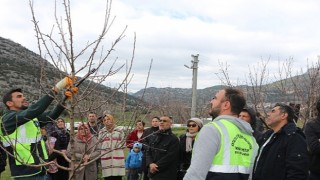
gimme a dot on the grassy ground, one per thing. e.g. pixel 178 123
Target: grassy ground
pixel 177 131
pixel 6 173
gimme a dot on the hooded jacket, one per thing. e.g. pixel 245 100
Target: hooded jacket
pixel 254 123
pixel 134 159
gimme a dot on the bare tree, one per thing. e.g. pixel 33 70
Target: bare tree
pixel 58 46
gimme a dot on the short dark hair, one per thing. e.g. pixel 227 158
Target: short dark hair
pixel 286 109
pixel 170 117
pixel 92 112
pixel 143 123
pixel 236 98
pixel 8 96
pixel 156 117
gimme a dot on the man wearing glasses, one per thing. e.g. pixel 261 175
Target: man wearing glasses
pixel 225 147
pixel 283 149
pixel 163 153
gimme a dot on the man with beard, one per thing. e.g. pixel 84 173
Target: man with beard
pixel 225 147
pixel 20 131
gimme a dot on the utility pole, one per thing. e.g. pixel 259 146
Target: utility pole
pixel 194 68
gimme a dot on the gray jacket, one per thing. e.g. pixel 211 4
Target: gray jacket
pixel 207 146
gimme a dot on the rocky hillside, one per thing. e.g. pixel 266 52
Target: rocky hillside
pixel 278 91
pixel 20 67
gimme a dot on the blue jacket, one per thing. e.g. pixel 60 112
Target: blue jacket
pixel 133 160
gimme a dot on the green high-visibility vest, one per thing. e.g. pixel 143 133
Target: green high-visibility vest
pixel 21 140
pixel 237 149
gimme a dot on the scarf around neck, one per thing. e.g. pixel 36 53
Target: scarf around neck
pixel 189 139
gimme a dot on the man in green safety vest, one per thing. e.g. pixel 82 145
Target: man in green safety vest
pixel 20 131
pixel 224 148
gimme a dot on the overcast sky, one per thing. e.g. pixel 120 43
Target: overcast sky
pixel 238 32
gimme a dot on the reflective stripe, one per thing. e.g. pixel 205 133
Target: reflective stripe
pixel 21 140
pixel 26 149
pixel 20 135
pixel 230 169
pixel 237 149
pixel 22 130
pixel 226 139
pixel 254 150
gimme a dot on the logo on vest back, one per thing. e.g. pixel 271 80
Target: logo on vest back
pixel 239 145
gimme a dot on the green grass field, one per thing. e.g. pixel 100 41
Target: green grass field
pixel 177 131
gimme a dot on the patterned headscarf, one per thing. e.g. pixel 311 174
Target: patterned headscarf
pixel 87 137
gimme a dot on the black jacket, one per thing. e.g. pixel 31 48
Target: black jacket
pixel 312 131
pixel 147 135
pixel 255 123
pixel 164 151
pixel 284 157
pixel 3 159
pixel 63 138
pixel 146 138
pixel 185 157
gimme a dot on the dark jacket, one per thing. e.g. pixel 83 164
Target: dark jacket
pixel 94 130
pixel 63 138
pixel 284 157
pixel 185 157
pixel 164 152
pixel 147 135
pixel 3 159
pixel 146 138
pixel 312 131
pixel 13 119
pixel 254 123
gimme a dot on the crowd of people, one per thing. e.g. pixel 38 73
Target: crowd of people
pixel 232 146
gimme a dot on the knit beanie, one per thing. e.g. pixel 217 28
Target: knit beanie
pixel 138 145
pixel 197 121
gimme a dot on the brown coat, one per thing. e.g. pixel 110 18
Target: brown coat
pixel 81 148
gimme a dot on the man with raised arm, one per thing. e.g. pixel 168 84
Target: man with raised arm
pixel 20 131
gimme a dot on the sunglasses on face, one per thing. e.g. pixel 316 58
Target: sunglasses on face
pixel 191 125
pixel 161 120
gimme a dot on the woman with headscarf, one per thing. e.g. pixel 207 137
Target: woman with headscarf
pixel 86 148
pixel 58 139
pixel 186 144
pixel 112 142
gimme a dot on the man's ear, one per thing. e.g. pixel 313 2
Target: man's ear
pixel 227 105
pixel 285 115
pixel 9 103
